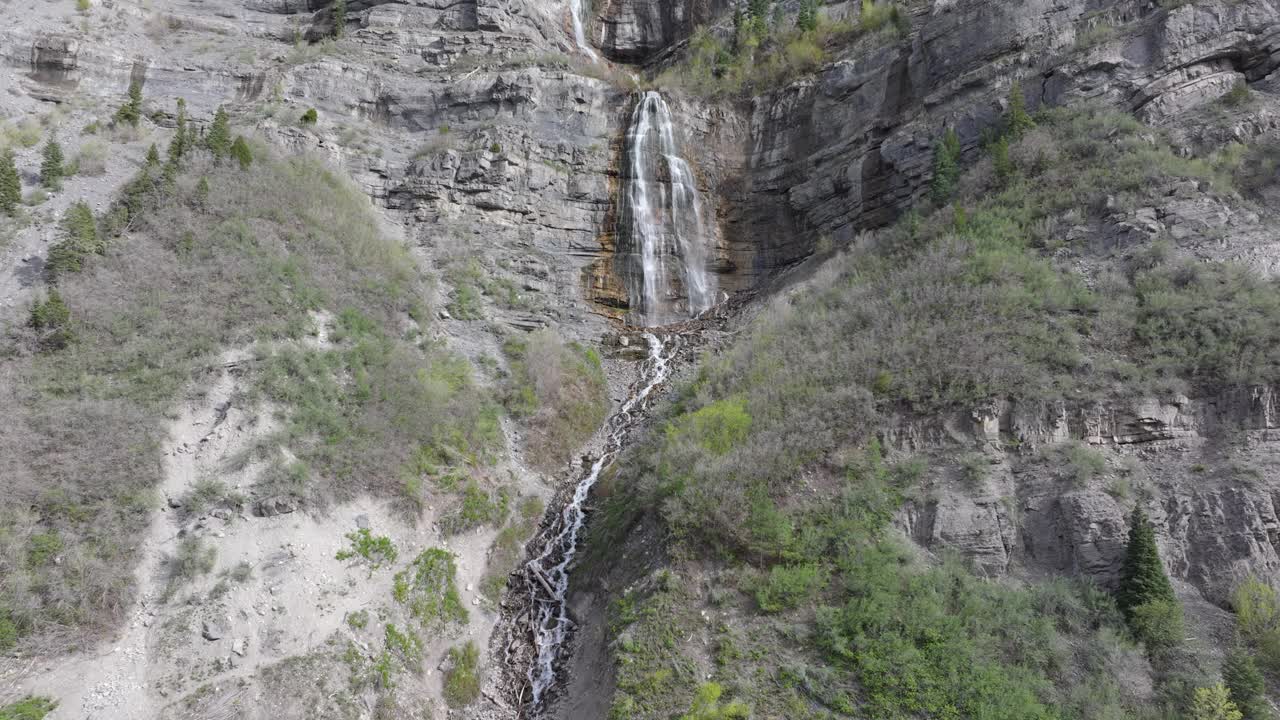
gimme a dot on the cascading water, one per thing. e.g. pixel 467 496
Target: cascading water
pixel 551 568
pixel 662 214
pixel 579 29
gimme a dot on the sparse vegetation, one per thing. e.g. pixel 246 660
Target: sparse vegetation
pixel 28 708
pixel 508 546
pixel 374 550
pixel 462 678
pixel 192 560
pixel 429 589
pixel 559 390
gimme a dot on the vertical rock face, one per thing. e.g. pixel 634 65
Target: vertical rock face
pixel 633 31
pixel 1206 471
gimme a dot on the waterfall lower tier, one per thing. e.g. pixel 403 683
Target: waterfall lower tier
pixel 550 569
pixel 664 233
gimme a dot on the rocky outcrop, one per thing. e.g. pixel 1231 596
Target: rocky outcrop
pixel 633 31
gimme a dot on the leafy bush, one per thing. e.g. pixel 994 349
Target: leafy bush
pixel 707 706
pixel 1247 686
pixel 309 117
pixel 476 508
pixel 1158 624
pixel 1213 703
pixel 91 158
pixel 28 708
pixel 1257 608
pixel 429 588
pixel 376 551
pixel 789 585
pixel 462 678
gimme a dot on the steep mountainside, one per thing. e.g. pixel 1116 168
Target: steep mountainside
pixel 985 278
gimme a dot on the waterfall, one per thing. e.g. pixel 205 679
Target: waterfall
pixel 551 568
pixel 662 214
pixel 579 29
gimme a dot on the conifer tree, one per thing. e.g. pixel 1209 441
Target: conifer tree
pixel 219 138
pixel 807 20
pixel 178 145
pixel 339 18
pixel 1018 121
pixel 1142 578
pixel 153 158
pixel 946 167
pixel 10 184
pixel 51 319
pixel 131 111
pixel 202 193
pixel 241 152
pixel 52 166
pixel 1248 688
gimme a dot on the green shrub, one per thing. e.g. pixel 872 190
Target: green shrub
pixel 1257 608
pixel 1158 624
pixel 191 560
pixel 358 619
pixel 462 678
pixel 1213 703
pixel 789 585
pixel 476 508
pixel 429 588
pixel 310 117
pixel 707 706
pixel 1238 95
pixel 376 551
pixel 28 708
pixel 876 16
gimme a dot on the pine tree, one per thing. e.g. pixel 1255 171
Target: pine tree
pixel 1248 688
pixel 131 111
pixel 52 166
pixel 241 152
pixel 1214 703
pixel 339 18
pixel 178 145
pixel 51 319
pixel 1142 578
pixel 153 158
pixel 1018 121
pixel 807 20
pixel 10 184
pixel 946 167
pixel 219 138
pixel 202 193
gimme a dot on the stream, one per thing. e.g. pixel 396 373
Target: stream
pixel 550 569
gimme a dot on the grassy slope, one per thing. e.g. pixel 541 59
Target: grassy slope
pixel 243 267
pixel 759 476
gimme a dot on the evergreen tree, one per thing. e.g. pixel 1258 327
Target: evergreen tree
pixel 52 166
pixel 1018 121
pixel 1214 703
pixel 1248 688
pixel 946 167
pixel 51 319
pixel 153 158
pixel 339 18
pixel 807 20
pixel 202 193
pixel 131 111
pixel 10 184
pixel 178 145
pixel 1142 578
pixel 241 152
pixel 219 138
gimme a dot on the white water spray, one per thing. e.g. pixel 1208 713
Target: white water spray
pixel 665 220
pixel 579 29
pixel 551 568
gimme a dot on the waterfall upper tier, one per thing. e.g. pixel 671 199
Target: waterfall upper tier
pixel 665 238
